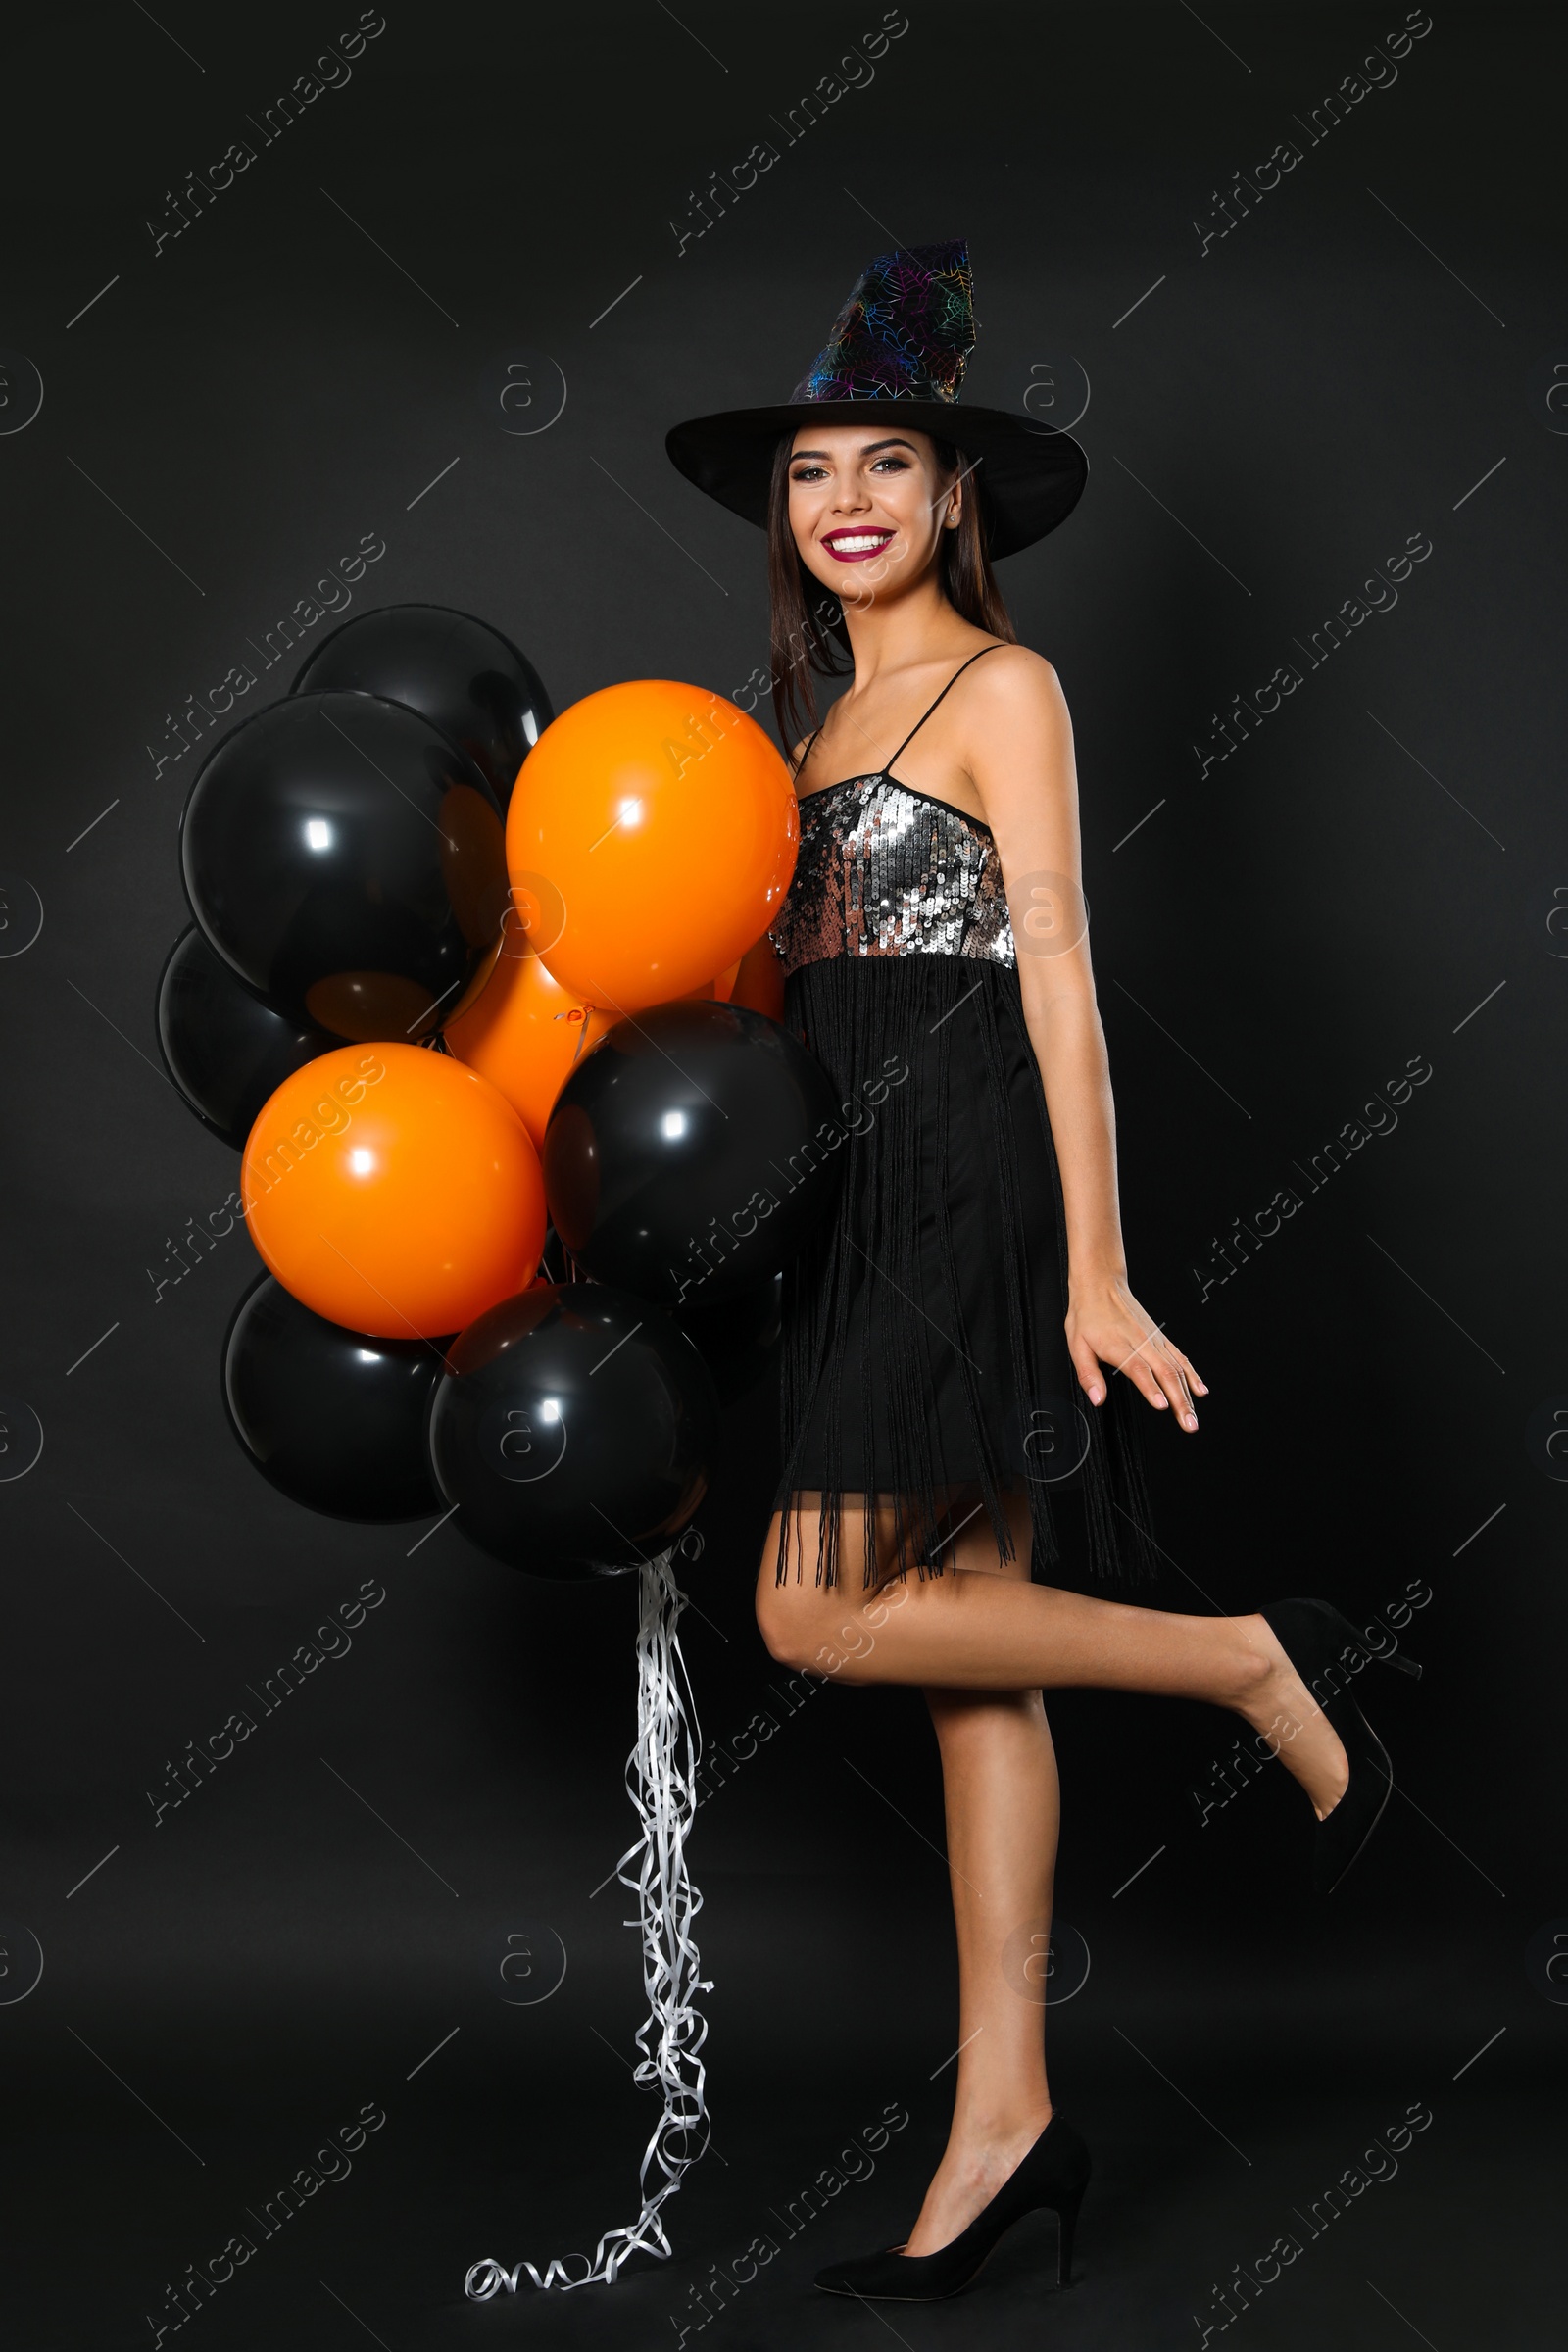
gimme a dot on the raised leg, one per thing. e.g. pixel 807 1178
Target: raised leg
pixel 986 1632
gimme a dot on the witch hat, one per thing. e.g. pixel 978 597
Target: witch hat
pixel 903 339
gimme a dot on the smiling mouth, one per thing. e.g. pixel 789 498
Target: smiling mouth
pixel 854 547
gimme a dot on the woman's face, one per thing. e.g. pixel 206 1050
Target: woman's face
pixel 869 506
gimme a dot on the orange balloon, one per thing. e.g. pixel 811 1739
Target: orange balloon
pixel 526 1033
pixel 714 992
pixel 651 837
pixel 759 982
pixel 392 1190
pixel 724 985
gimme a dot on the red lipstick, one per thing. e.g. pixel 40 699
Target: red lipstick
pixel 857 545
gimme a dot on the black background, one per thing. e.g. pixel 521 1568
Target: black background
pixel 1284 935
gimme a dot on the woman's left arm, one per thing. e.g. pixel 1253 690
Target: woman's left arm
pixel 1021 762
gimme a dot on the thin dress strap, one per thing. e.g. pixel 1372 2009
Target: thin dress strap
pixel 940 697
pixel 810 745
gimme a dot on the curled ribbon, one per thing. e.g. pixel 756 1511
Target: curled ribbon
pixel 661 1783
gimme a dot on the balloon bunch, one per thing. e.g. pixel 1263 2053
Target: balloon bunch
pixel 524 1152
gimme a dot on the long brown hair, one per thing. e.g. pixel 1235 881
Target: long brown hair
pixel 809 640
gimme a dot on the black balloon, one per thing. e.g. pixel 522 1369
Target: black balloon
pixel 465 676
pixel 737 1338
pixel 349 864
pixel 692 1152
pixel 333 1418
pixel 573 1430
pixel 225 1049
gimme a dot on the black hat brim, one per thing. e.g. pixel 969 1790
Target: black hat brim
pixel 1030 476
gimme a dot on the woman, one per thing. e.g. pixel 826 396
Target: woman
pixel 936 955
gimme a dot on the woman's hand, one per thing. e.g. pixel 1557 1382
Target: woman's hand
pixel 1106 1325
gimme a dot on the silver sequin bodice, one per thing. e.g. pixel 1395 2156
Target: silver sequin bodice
pixel 883 870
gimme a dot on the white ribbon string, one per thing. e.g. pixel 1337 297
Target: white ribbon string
pixel 661 1783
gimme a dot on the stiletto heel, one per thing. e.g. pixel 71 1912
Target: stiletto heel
pixel 1067 2217
pixel 1054 2174
pixel 1326 1651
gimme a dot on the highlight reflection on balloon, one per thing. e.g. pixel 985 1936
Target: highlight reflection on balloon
pixel 394 1190
pixel 347 862
pixel 665 822
pixel 684 1157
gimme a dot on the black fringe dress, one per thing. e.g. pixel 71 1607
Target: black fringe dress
pixel 924 1359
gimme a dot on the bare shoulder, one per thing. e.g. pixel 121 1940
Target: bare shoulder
pixel 1016 680
pixel 1015 711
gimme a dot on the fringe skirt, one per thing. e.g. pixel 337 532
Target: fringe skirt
pixel 923 1354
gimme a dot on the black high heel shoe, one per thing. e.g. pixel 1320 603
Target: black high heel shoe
pixel 1327 1652
pixel 1054 2174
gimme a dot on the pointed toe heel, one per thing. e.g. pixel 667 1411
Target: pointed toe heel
pixel 1327 1652
pixel 1053 2175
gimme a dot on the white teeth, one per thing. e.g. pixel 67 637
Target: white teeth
pixel 859 545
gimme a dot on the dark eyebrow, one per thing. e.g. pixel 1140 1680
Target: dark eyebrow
pixel 869 449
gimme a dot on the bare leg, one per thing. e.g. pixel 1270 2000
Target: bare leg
pixel 998 1777
pixel 991 1632
pixel 984 1642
